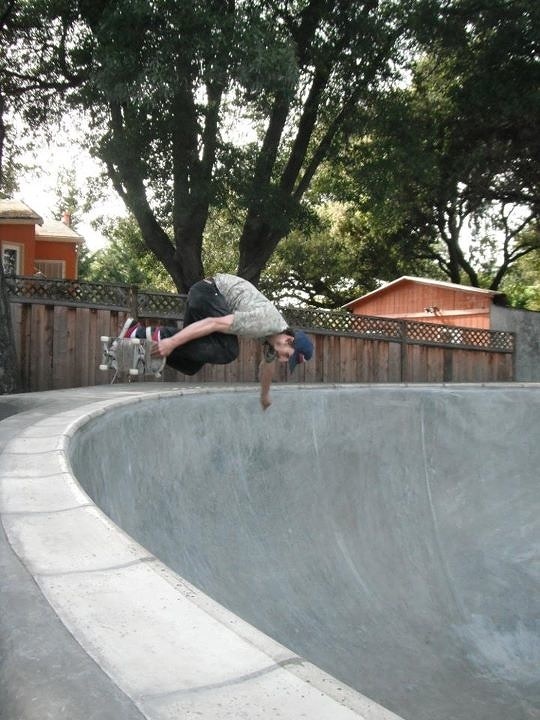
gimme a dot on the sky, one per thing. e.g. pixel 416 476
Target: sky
pixel 37 186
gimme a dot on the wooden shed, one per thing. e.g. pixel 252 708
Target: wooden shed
pixel 432 301
pixel 29 245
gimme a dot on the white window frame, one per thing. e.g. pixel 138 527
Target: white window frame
pixel 50 268
pixel 19 250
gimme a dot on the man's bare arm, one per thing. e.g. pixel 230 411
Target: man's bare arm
pixel 198 329
pixel 266 373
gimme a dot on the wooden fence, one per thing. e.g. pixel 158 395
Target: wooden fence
pixel 57 327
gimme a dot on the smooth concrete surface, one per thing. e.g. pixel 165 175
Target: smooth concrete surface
pixel 92 625
pixel 381 538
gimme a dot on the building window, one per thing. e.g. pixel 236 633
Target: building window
pixel 52 269
pixel 12 259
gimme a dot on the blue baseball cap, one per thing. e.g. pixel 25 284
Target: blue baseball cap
pixel 303 349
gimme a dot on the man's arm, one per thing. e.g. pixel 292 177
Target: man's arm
pixel 198 329
pixel 266 373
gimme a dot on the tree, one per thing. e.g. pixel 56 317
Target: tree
pixel 448 165
pixel 316 266
pixel 161 80
pixel 335 258
pixel 70 199
pixel 9 164
pixel 521 284
pixel 9 381
pixel 34 101
pixel 220 241
pixel 7 180
pixel 125 259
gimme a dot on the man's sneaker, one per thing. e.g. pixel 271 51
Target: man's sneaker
pixel 132 328
pixel 153 363
pixel 128 328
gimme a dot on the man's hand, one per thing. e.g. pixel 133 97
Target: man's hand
pixel 266 371
pixel 164 347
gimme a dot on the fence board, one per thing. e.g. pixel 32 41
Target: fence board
pixel 381 368
pixel 41 363
pixel 416 363
pixel 17 324
pixel 24 345
pixel 83 344
pixel 64 370
pixel 434 364
pixel 347 353
pixel 394 362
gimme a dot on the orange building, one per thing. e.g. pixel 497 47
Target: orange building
pixel 424 300
pixel 30 246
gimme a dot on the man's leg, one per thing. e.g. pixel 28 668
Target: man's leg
pixel 204 300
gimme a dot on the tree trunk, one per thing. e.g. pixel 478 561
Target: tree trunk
pixel 2 140
pixel 187 261
pixel 450 224
pixel 257 244
pixel 9 371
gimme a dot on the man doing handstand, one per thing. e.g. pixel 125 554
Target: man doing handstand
pixel 218 310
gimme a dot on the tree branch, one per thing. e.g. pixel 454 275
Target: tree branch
pixel 128 182
pixel 305 131
pixel 6 12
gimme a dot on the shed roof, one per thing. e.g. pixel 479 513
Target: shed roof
pixel 15 211
pixel 422 281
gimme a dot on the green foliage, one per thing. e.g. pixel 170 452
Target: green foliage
pixel 317 266
pixel 335 260
pixel 9 166
pixel 68 196
pixel 69 200
pixel 125 259
pixel 444 163
pixel 14 142
pixel 220 243
pixel 521 285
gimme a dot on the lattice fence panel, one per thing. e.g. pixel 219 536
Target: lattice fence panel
pixel 70 292
pixel 342 322
pixel 160 305
pixel 460 336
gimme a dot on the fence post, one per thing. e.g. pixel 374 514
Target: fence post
pixel 404 369
pixel 132 301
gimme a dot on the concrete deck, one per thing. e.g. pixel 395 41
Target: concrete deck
pixel 354 552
